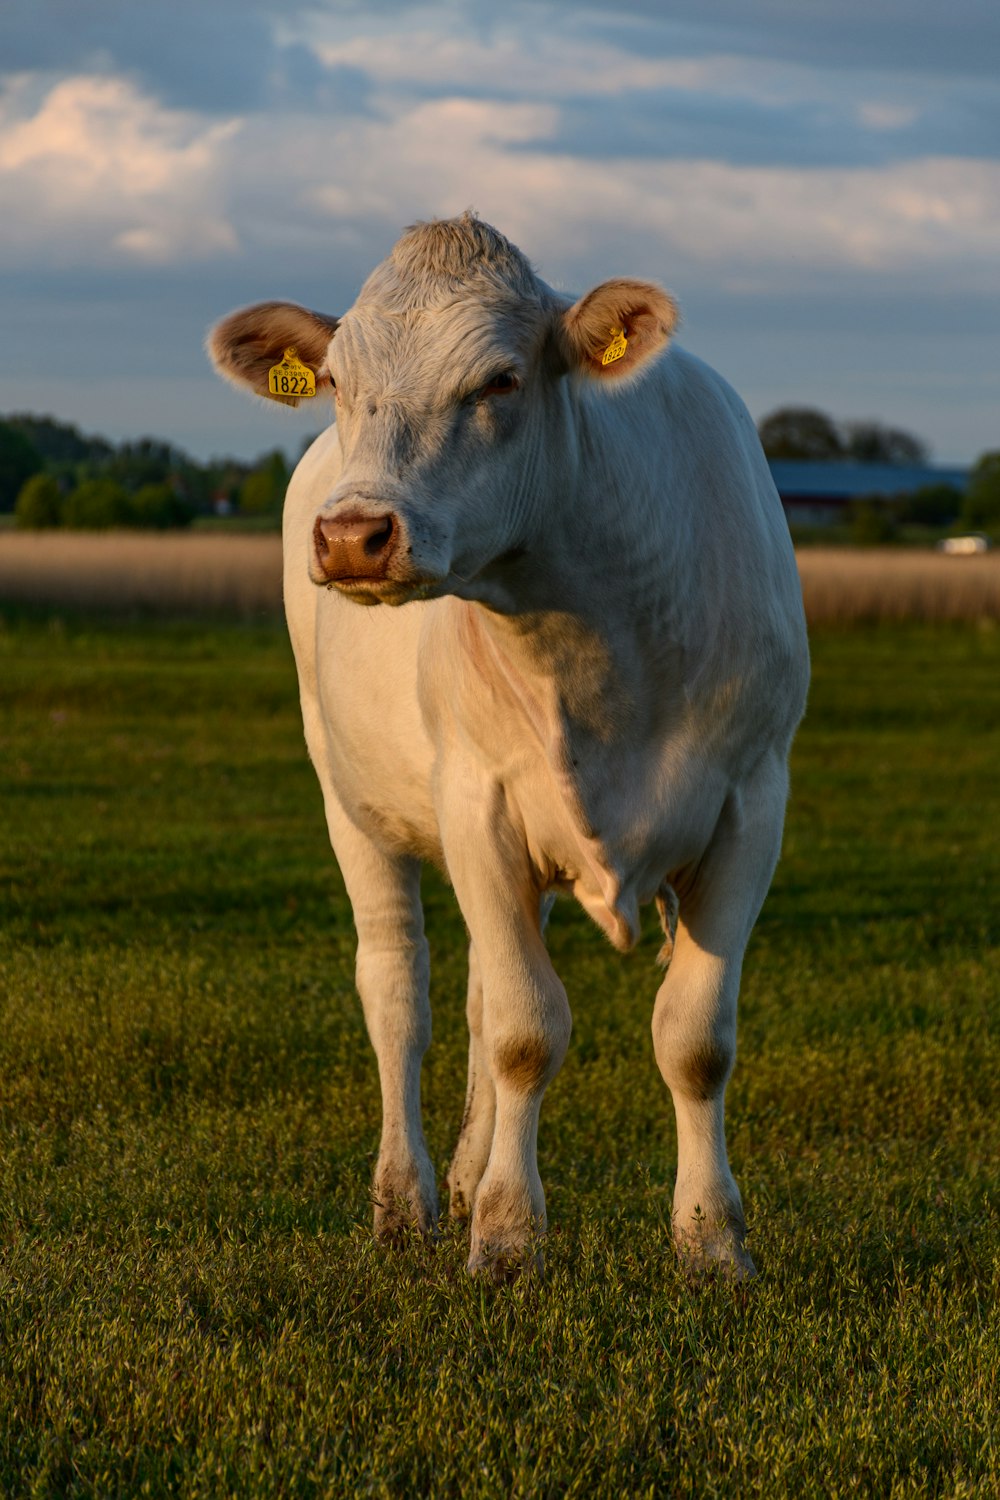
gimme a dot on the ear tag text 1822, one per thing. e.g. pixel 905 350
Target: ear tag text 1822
pixel 291 377
pixel 617 347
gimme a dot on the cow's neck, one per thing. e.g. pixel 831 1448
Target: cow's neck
pixel 581 673
pixel 589 611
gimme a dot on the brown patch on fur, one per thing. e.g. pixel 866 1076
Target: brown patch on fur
pixel 490 1208
pixel 459 1207
pixel 400 835
pixel 644 310
pixel 523 1064
pixel 705 1070
pixel 244 345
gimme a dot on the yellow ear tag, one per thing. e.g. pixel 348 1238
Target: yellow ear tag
pixel 617 347
pixel 291 377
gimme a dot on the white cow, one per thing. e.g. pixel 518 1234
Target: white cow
pixel 592 687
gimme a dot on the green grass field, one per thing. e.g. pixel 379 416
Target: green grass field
pixel 190 1301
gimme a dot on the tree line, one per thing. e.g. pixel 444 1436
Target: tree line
pixel 805 433
pixel 53 475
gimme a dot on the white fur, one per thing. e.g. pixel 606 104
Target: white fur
pixel 591 686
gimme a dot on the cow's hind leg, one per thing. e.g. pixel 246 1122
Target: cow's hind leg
pixel 694 1020
pixel 392 977
pixel 476 1135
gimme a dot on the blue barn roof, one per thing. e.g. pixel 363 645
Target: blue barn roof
pixel 812 480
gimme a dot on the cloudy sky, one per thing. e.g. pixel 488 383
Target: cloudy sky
pixel 817 181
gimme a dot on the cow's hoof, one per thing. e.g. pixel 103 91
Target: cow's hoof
pixel 701 1266
pixel 718 1254
pixel 402 1214
pixel 507 1232
pixel 396 1230
pixel 502 1267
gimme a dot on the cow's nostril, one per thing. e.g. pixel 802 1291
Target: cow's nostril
pixel 350 545
pixel 378 540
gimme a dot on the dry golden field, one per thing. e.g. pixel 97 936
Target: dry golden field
pixel 847 584
pixel 215 574
pixel 187 573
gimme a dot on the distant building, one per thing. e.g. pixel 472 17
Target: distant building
pixel 818 493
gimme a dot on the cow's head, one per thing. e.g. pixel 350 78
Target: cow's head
pixel 449 377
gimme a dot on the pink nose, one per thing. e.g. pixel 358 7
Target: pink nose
pixel 354 546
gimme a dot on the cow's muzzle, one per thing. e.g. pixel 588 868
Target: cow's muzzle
pixel 353 547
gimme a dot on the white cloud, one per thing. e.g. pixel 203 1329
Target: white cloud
pixel 534 63
pixel 94 169
pixel 550 65
pixel 928 213
pixel 880 115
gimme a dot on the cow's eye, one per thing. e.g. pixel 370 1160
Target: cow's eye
pixel 502 383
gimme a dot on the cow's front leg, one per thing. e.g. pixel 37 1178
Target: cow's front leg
pixel 694 1020
pixel 526 1030
pixel 524 1033
pixel 475 1138
pixel 392 975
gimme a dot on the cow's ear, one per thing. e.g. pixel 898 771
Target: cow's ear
pixel 245 345
pixel 614 330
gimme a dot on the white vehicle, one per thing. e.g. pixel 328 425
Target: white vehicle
pixel 964 546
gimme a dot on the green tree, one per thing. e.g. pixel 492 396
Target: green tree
pixel 873 443
pixel 145 461
pixel 19 459
pixel 872 523
pixel 98 505
pixel 930 505
pixel 981 507
pixel 60 443
pixel 263 490
pixel 159 507
pixel 800 432
pixel 40 503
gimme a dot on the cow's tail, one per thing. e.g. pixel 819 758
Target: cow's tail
pixel 667 908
